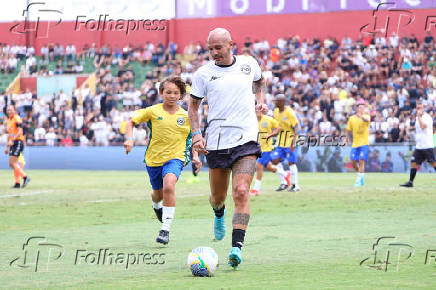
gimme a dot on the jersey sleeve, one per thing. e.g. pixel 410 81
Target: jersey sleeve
pixel 198 88
pixel 141 116
pixel 256 69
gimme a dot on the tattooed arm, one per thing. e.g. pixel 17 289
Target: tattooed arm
pixel 259 89
pixel 198 142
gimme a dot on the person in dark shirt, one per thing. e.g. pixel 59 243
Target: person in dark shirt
pixel 387 165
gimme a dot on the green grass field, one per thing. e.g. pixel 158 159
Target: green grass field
pixel 314 239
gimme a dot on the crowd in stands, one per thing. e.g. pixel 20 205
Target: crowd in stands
pixel 322 80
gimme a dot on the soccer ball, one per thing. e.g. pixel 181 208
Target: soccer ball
pixel 203 262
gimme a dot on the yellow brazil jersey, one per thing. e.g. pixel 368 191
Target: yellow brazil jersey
pixel 169 137
pixel 287 122
pixel 360 130
pixel 266 126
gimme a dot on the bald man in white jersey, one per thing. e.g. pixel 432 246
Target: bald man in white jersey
pixel 424 143
pixel 230 143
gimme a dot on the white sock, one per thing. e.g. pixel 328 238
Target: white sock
pixel 281 172
pixel 156 205
pixel 257 184
pixel 361 175
pixel 294 174
pixel 167 217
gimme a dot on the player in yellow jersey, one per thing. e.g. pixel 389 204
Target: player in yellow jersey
pixel 358 126
pixel 286 150
pixel 168 150
pixel 268 128
pixel 15 145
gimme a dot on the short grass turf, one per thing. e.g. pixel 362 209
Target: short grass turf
pixel 313 239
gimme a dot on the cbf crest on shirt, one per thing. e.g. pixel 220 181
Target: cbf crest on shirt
pixel 229 91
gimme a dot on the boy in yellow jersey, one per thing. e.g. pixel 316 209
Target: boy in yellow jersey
pixel 15 145
pixel 286 143
pixel 358 126
pixel 268 128
pixel 168 149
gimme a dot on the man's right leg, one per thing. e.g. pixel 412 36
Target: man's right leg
pixel 219 183
pixel 413 169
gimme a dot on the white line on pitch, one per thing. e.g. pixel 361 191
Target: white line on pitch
pixel 25 194
pixel 119 199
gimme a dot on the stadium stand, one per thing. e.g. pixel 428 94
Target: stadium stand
pixel 322 80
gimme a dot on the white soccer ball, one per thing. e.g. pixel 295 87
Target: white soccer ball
pixel 203 262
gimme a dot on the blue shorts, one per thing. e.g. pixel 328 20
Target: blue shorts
pixel 359 153
pixel 157 173
pixel 265 158
pixel 284 154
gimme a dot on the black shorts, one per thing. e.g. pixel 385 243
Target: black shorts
pixel 17 148
pixel 421 155
pixel 225 158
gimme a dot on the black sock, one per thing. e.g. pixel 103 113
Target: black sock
pixel 412 174
pixel 238 236
pixel 219 212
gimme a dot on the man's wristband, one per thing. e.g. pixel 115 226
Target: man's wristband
pixel 196 132
pixel 129 138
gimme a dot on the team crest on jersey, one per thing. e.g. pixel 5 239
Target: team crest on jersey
pixel 246 69
pixel 264 124
pixel 181 121
pixel 284 118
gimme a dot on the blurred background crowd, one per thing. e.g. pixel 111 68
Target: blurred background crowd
pixel 322 80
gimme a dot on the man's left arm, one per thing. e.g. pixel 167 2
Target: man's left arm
pixel 259 89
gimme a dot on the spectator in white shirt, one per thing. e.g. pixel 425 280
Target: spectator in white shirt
pixel 50 137
pixel 70 53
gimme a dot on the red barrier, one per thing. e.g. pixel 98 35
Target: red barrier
pixel 28 83
pixel 270 27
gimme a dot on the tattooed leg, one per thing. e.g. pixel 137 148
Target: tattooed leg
pixel 240 219
pixel 242 175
